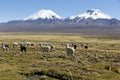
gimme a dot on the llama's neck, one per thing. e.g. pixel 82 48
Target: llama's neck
pixel 3 46
pixel 41 45
pixel 67 46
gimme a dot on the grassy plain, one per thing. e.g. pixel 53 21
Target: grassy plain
pixel 101 61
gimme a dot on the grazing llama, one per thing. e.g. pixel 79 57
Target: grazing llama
pixel 23 48
pixel 70 51
pixel 45 48
pixel 5 47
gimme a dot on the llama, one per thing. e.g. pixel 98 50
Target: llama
pixel 15 44
pixel 5 47
pixel 70 51
pixel 45 48
pixel 23 48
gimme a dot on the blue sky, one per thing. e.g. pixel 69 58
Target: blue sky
pixel 19 9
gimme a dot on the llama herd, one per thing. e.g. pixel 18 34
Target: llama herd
pixel 45 48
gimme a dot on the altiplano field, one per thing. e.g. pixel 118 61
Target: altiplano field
pixel 101 61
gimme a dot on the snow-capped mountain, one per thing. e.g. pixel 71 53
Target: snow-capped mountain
pixel 93 17
pixel 45 20
pixel 92 13
pixel 43 14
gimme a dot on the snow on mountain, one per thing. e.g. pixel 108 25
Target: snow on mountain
pixel 43 14
pixel 93 13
